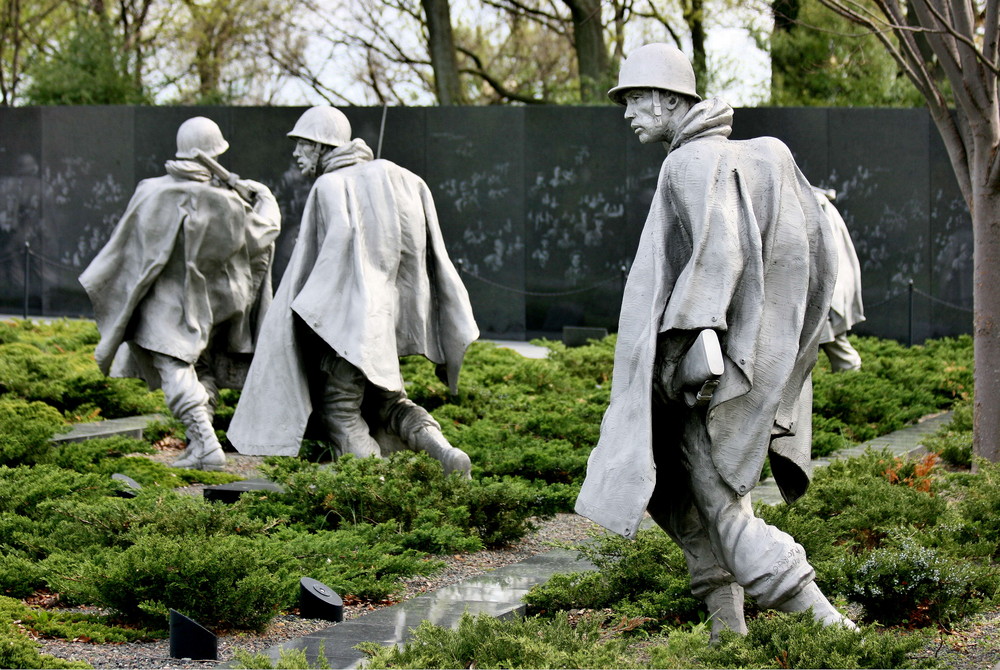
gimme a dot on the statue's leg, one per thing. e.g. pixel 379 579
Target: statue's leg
pixel 189 401
pixel 420 432
pixel 672 508
pixel 841 354
pixel 203 368
pixel 343 393
pixel 766 561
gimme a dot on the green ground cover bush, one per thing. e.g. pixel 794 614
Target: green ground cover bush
pixel 53 363
pixel 774 641
pixel 894 536
pixel 363 526
pixel 895 386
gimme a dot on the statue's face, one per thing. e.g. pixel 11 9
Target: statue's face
pixel 306 156
pixel 650 127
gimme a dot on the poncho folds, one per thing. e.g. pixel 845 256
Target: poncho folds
pixel 371 278
pixel 846 308
pixel 188 264
pixel 734 241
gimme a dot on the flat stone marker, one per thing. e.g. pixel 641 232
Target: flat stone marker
pixel 230 493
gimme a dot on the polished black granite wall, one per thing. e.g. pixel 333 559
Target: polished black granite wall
pixel 542 207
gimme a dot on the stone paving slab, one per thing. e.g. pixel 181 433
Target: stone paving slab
pixel 131 426
pixel 497 593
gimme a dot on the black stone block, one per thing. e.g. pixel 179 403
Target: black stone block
pixel 230 493
pixel 189 639
pixel 319 601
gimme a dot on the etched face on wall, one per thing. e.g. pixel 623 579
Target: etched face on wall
pixel 650 124
pixel 306 156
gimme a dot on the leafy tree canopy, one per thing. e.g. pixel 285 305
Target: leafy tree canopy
pixel 821 59
pixel 90 68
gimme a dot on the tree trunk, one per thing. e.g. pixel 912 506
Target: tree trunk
pixel 441 44
pixel 986 341
pixel 591 52
pixel 694 16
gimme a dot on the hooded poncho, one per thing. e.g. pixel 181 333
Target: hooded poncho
pixel 734 242
pixel 371 278
pixel 187 260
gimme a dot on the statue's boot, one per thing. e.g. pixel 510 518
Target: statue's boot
pixel 205 451
pixel 429 440
pixel 725 606
pixel 811 597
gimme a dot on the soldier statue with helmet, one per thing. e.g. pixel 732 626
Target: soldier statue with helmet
pixel 181 285
pixel 369 281
pixel 719 332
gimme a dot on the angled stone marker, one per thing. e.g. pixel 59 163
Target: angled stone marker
pixel 719 332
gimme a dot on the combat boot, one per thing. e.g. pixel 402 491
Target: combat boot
pixel 725 606
pixel 429 440
pixel 810 597
pixel 204 451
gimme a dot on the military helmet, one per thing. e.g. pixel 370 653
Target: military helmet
pixel 324 125
pixel 658 65
pixel 200 133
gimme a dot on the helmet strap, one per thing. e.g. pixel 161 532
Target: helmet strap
pixel 656 103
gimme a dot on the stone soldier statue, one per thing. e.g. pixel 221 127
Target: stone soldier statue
pixel 847 308
pixel 719 332
pixel 178 289
pixel 369 281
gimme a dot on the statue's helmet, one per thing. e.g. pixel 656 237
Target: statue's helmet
pixel 323 124
pixel 658 65
pixel 200 133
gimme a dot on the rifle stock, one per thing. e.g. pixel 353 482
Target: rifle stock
pixel 230 179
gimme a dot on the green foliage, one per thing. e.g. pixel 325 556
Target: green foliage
pixel 798 641
pixel 93 455
pixel 536 419
pixel 23 490
pixel 56 336
pixel 823 60
pixel 366 562
pixel 485 642
pixel 91 68
pixel 953 442
pixel 879 532
pixel 402 489
pixel 54 364
pixel 910 584
pixel 25 431
pixel 223 581
pixel 72 625
pixel 978 501
pixel 288 659
pixel 18 651
pixel 896 386
pixel 645 577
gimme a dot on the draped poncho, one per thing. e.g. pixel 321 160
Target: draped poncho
pixel 370 278
pixel 734 241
